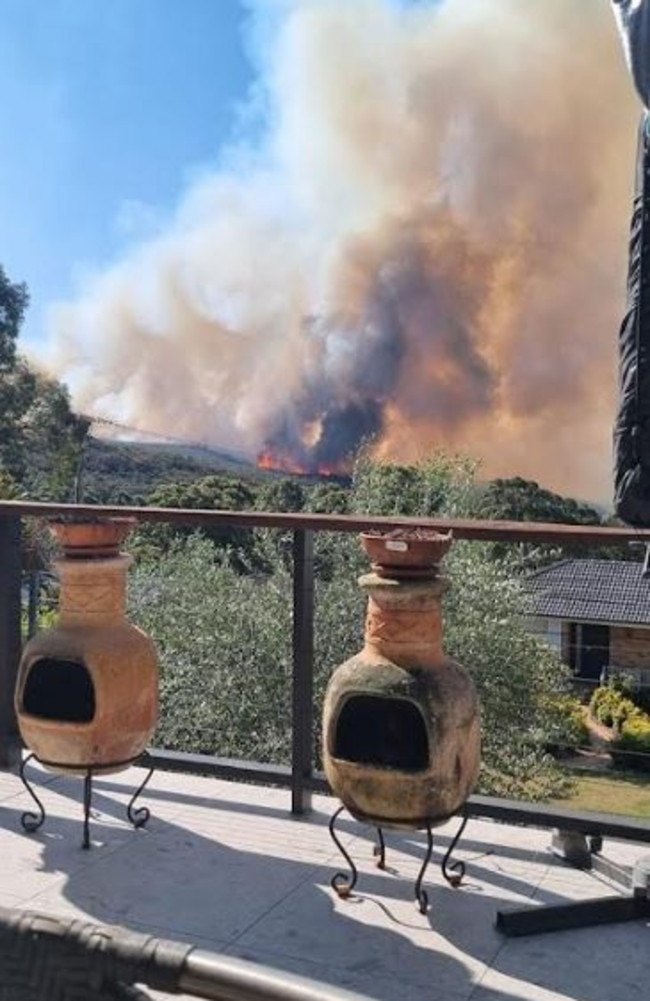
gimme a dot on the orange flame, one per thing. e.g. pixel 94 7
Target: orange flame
pixel 278 462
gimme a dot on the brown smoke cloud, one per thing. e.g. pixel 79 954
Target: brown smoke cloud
pixel 430 248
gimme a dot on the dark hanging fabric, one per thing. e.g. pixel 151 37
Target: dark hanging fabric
pixel 632 427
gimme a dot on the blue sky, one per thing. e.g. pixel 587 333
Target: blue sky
pixel 105 108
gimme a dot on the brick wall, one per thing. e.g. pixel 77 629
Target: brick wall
pixel 629 647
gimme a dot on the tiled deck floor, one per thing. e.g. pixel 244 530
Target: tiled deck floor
pixel 226 867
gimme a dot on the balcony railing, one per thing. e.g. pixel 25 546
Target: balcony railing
pixel 300 776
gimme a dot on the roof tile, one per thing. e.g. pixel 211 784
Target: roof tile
pixel 611 591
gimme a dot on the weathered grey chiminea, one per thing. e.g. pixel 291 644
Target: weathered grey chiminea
pixel 87 690
pixel 401 731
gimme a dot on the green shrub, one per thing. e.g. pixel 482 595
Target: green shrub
pixel 612 707
pixel 624 712
pixel 634 741
pixel 641 698
pixel 571 730
pixel 635 734
pixel 619 679
pixel 603 703
pixel 626 683
pixel 224 642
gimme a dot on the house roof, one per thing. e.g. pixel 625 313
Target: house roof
pixel 607 591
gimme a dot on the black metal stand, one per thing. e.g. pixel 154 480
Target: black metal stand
pixel 88 797
pixel 453 872
pixel 379 850
pixel 342 884
pixel 583 914
pixel 586 913
pixel 421 896
pixel 31 821
pixel 140 816
pixel 458 869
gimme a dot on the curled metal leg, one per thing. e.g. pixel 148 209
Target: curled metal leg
pixel 88 794
pixel 421 896
pixel 140 816
pixel 455 872
pixel 30 821
pixel 342 884
pixel 379 850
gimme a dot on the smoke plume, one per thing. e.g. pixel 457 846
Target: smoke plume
pixel 427 247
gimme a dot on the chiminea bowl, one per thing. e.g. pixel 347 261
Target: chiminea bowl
pixel 405 552
pixel 91 538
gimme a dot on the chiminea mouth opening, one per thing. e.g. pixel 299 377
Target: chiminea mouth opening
pixel 59 690
pixel 381 731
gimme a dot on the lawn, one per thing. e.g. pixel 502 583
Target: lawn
pixel 611 792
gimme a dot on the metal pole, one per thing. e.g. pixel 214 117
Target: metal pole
pixel 33 592
pixel 10 637
pixel 227 978
pixel 302 758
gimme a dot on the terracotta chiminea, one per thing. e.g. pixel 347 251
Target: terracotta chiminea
pixel 401 732
pixel 87 689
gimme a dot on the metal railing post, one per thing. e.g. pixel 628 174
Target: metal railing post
pixel 302 757
pixel 33 591
pixel 10 637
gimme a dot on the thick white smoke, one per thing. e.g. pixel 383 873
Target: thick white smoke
pixel 429 247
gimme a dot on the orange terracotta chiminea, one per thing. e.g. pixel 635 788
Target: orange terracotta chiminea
pixel 87 690
pixel 401 731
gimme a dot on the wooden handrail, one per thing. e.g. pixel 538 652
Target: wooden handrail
pixel 463 528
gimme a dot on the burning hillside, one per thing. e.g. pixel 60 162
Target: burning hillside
pixel 428 250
